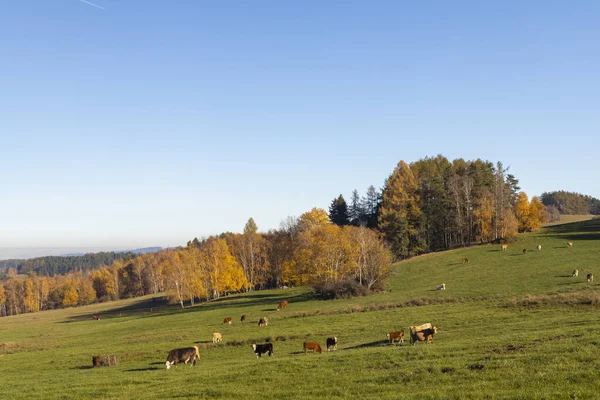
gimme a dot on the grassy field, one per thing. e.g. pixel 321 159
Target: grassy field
pixel 565 219
pixel 513 326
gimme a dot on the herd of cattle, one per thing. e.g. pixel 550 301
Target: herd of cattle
pixel 422 333
pixel 187 355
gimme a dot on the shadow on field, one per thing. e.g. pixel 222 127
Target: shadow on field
pixel 562 276
pixel 157 363
pixel 269 309
pixel 83 367
pixel 143 369
pixel 364 345
pixel 157 306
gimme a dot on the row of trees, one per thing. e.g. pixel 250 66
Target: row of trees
pixel 308 250
pixel 571 203
pixel 434 204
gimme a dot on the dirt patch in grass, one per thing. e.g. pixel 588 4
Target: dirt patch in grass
pixel 11 348
pixel 507 348
pixel 475 367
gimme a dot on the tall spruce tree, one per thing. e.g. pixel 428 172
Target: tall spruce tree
pixel 356 213
pixel 338 211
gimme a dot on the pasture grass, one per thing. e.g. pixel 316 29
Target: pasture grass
pixel 512 326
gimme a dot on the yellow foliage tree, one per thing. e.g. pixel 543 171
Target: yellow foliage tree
pixel 313 218
pixel 70 297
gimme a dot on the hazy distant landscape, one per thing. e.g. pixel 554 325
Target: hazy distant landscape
pixel 20 253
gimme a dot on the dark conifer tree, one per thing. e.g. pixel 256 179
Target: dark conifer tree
pixel 338 211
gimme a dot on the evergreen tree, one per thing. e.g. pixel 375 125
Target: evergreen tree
pixel 356 213
pixel 338 211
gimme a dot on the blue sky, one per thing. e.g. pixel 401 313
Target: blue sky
pixel 152 122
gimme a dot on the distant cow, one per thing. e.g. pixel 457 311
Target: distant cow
pixel 104 361
pixel 217 337
pixel 96 317
pixel 283 304
pixel 575 272
pixel 465 260
pixel 260 349
pixel 227 320
pixel 263 321
pixel 590 277
pixel 442 287
pixel 504 247
pixel 539 247
pixel 332 343
pixel 570 244
pixel 314 346
pixel 243 319
pixel 184 355
pixel 397 335
pixel 524 251
pixel 421 336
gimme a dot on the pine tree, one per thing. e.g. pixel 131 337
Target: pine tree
pixel 338 211
pixel 356 213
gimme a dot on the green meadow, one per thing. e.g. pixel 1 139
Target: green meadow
pixel 512 326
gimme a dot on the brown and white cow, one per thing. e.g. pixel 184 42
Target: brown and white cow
pixel 575 272
pixel 260 349
pixel 104 361
pixel 590 277
pixel 423 335
pixel 243 319
pixel 396 335
pixel 228 320
pixel 264 321
pixel 465 260
pixel 314 346
pixel 524 251
pixel 96 317
pixel 332 343
pixel 184 355
pixel 283 304
pixel 217 337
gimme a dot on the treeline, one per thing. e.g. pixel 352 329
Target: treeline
pixel 434 204
pixel 571 203
pixel 61 265
pixel 308 250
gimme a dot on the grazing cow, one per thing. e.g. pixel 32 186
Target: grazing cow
pixel 504 247
pixel 575 272
pixel 263 321
pixel 243 319
pixel 422 335
pixel 570 244
pixel 332 343
pixel 283 304
pixel 96 317
pixel 465 260
pixel 260 349
pixel 227 320
pixel 524 251
pixel 590 277
pixel 217 337
pixel 183 355
pixel 104 361
pixel 539 247
pixel 397 335
pixel 314 346
pixel 442 287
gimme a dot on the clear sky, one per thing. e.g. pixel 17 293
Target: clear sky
pixel 151 122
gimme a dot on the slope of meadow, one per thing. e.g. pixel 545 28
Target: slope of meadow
pixel 513 325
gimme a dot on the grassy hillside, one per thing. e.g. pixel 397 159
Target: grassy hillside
pixel 513 325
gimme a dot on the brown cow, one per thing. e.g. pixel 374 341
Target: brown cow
pixel 227 320
pixel 283 304
pixel 465 260
pixel 243 319
pixel 183 355
pixel 590 277
pixel 504 247
pixel 263 321
pixel 421 336
pixel 569 244
pixel 96 317
pixel 104 361
pixel 314 346
pixel 524 251
pixel 397 335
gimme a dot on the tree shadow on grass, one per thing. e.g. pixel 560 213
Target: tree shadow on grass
pixel 562 276
pixel 143 369
pixel 269 309
pixel 376 343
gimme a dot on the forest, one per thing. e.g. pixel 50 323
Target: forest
pixel 429 205
pixel 571 203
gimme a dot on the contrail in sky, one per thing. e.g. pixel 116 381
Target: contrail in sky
pixel 91 4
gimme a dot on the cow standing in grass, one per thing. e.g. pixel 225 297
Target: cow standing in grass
pixel 423 335
pixel 228 320
pixel 184 355
pixel 504 247
pixel 397 335
pixel 590 277
pixel 575 273
pixel 283 304
pixel 260 349
pixel 332 343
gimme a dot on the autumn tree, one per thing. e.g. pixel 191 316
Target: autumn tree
pixel 313 218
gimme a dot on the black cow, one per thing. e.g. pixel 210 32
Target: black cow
pixel 331 343
pixel 260 349
pixel 182 355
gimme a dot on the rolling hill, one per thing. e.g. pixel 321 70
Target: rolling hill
pixel 512 325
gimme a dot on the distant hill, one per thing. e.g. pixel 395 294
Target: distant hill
pixel 58 265
pixel 571 203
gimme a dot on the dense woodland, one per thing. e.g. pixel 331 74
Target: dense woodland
pixel 571 203
pixel 429 205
